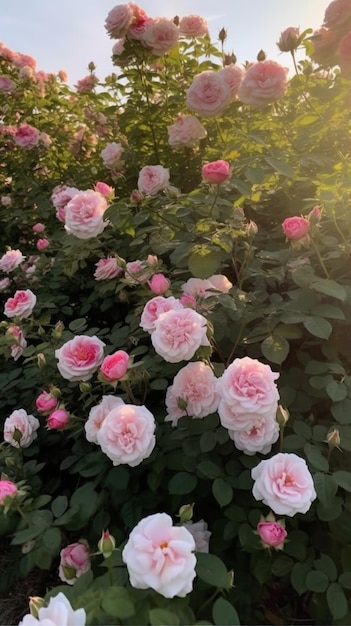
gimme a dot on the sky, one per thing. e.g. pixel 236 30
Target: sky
pixel 68 34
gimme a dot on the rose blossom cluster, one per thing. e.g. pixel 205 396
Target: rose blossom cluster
pixel 248 405
pixel 206 287
pixel 160 556
pixel 125 432
pixel 332 41
pixel 176 332
pixel 60 197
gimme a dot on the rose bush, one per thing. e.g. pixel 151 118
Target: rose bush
pixel 176 297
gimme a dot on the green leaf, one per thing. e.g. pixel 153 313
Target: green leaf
pixel 326 564
pixel 222 491
pixel 117 602
pixel 345 580
pixel 224 614
pixel 275 348
pixel 282 565
pixel 209 469
pixel 325 487
pixel 182 483
pixel 317 581
pixel 298 576
pixel 343 479
pixel 336 390
pixel 341 411
pixel 315 457
pixel 318 326
pixel 162 617
pixel 329 288
pixel 337 601
pixel 212 570
pixel 283 168
pixel 207 442
pixel 52 540
pixel 204 262
pixel 59 505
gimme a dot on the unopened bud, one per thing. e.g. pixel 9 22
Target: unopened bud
pixel 261 56
pixel 182 404
pixel 84 387
pixel 229 59
pixel 176 20
pixel 17 435
pixel 333 439
pixel 315 216
pixel 41 360
pixel 57 331
pixel 251 229
pixel 106 544
pixel 222 35
pixel 186 513
pixel 35 604
pixel 231 578
pixel 69 572
pixel 282 416
pixel 41 331
pixel 92 66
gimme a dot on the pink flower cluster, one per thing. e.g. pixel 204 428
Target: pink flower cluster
pixel 176 332
pixel 248 405
pixel 125 432
pixel 332 41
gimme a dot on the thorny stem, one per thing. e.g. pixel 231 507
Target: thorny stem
pixel 322 264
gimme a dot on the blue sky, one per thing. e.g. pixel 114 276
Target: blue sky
pixel 68 34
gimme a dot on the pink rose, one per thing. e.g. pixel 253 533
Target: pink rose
pixel 87 83
pixel 325 43
pixel 259 437
pixel 106 269
pixel 60 196
pixel 188 300
pixel 152 179
pixel 220 283
pixel 338 16
pixel 284 483
pixel 160 556
pixel 97 415
pixel 25 60
pixel 186 132
pixel 21 305
pixel 38 228
pixel 264 82
pixel 6 200
pixel 160 36
pixel 198 287
pixel 42 244
pixel 193 26
pixel 58 611
pixel 233 75
pixel 138 272
pixel 84 214
pixel 154 307
pixel 46 402
pixel 20 429
pixel 248 392
pixel 289 38
pixel 178 334
pixel 192 393
pixel 140 21
pixel 296 228
pixel 26 136
pixel 10 260
pixel 6 84
pixel 80 357
pixel 118 20
pixel 106 190
pixel 112 156
pixel 114 366
pixel 4 283
pixel 200 534
pixel 74 562
pixel 208 94
pixel 19 341
pixel 272 534
pixel 127 434
pixel 216 172
pixel 7 490
pixel 57 420
pixel 159 284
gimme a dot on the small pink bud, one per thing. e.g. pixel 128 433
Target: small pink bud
pixel 42 244
pixel 106 544
pixel 315 216
pixel 289 39
pixel 46 402
pixel 106 190
pixel 114 366
pixel 38 228
pixel 188 300
pixel 136 196
pixel 159 284
pixel 57 419
pixel 272 534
